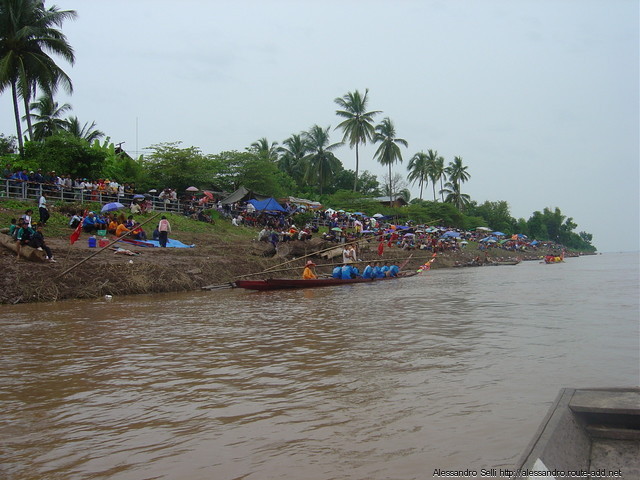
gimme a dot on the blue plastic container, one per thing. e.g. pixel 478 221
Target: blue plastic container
pixel 92 242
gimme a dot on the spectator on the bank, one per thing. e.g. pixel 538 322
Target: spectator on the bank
pixel 37 241
pixel 27 217
pixel 89 224
pixel 164 228
pixel 43 210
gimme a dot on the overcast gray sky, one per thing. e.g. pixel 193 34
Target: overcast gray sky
pixel 539 98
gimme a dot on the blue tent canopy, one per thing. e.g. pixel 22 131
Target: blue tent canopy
pixel 268 205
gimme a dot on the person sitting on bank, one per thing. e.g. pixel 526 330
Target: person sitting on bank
pixel 138 233
pixel 24 235
pixel 89 224
pixel 121 230
pixel 308 273
pixel 37 241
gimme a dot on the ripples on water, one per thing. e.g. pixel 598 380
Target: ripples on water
pixel 452 369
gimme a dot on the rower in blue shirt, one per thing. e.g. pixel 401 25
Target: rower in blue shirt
pixel 337 272
pixel 393 270
pixel 368 271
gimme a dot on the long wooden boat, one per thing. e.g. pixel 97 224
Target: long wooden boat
pixel 588 433
pixel 289 283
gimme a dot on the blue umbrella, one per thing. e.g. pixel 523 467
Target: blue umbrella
pixel 450 235
pixel 110 207
pixel 138 196
pixel 500 234
pixel 489 239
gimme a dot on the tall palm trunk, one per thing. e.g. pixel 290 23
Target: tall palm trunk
pixel 390 188
pixel 16 111
pixel 27 110
pixel 355 180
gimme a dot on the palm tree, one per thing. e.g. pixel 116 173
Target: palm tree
pixel 87 132
pixel 358 124
pixel 435 167
pixel 460 200
pixel 418 170
pixel 27 30
pixel 264 150
pixel 292 153
pixel 48 117
pixel 388 152
pixel 322 163
pixel 457 172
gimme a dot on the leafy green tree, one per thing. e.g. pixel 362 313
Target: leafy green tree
pixel 497 215
pixel 179 168
pixel 388 152
pixel 27 32
pixel 263 176
pixel 358 124
pixel 7 145
pixel 65 154
pixel 88 132
pixel 322 163
pixel 418 170
pixel 368 184
pixel 48 117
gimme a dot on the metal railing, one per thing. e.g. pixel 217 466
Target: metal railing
pixel 32 191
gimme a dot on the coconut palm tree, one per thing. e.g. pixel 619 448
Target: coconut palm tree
pixel 87 132
pixel 48 117
pixel 388 152
pixel 266 150
pixel 435 167
pixel 322 164
pixel 418 170
pixel 292 153
pixel 27 32
pixel 457 172
pixel 459 199
pixel 358 124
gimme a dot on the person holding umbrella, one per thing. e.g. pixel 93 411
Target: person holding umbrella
pixel 164 227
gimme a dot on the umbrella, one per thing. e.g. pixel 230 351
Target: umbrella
pixel 378 215
pixel 500 234
pixel 489 239
pixel 409 234
pixel 208 194
pixel 451 235
pixel 153 190
pixel 484 229
pixel 193 189
pixel 110 207
pixel 138 196
pixel 336 229
pixel 358 213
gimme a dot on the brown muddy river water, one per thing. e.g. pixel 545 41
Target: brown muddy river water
pixel 452 369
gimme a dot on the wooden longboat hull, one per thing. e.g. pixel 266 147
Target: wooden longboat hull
pixel 586 430
pixel 285 283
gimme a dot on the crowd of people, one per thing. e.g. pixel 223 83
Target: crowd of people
pixel 26 232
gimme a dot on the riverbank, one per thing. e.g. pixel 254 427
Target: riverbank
pixel 217 258
pixel 221 254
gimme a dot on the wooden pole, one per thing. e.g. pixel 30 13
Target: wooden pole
pixel 105 247
pixel 311 254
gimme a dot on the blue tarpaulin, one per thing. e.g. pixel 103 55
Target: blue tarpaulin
pixel 268 205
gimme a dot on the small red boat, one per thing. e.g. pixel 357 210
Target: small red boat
pixel 288 283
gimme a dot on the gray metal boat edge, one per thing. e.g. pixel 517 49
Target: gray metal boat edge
pixel 587 433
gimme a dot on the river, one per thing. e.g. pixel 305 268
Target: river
pixel 451 369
